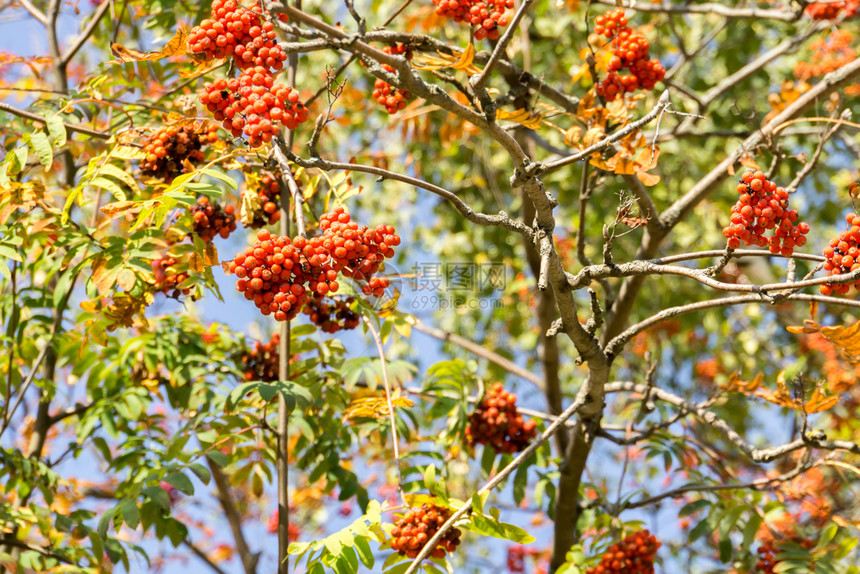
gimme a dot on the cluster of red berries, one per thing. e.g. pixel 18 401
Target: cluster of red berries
pixel 168 149
pixel 268 194
pixel 260 363
pixel 843 256
pixel 633 555
pixel 487 15
pixel 496 422
pixel 763 206
pixel 386 95
pixel 213 219
pixel 828 54
pixel 833 10
pixel 416 527
pixel 356 251
pixel 332 314
pixel 280 275
pixel 252 104
pixel 168 280
pixel 629 50
pixel 237 31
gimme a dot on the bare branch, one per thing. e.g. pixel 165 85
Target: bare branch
pixel 37 118
pixel 708 8
pixel 88 31
pixel 479 82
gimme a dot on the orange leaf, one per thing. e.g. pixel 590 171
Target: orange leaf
pixel 117 208
pixel 748 162
pixel 175 47
pixel 648 179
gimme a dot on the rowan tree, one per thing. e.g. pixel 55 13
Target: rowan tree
pixel 466 285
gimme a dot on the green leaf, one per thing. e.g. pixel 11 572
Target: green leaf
pixel 693 507
pixel 42 147
pixel 158 496
pixel 827 536
pixel 182 483
pixel 130 513
pixel 17 160
pixel 104 521
pixel 221 176
pixel 57 129
pixel 201 471
pixel 430 478
pixel 111 186
pixel 122 175
pixel 483 524
pixel 364 551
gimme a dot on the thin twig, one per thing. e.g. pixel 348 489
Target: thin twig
pixel 501 46
pixel 392 418
pixel 37 118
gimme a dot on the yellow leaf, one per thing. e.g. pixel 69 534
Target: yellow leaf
pixel 572 135
pixel 466 58
pixel 417 500
pixel 593 135
pixel 522 117
pixel 126 279
pixel 175 47
pixel 458 60
pixel 210 256
pixel 375 407
pixel 128 152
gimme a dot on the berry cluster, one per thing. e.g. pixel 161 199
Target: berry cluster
pixel 167 280
pixel 332 315
pixel 416 527
pixel 237 31
pixel 633 555
pixel 843 256
pixel 487 15
pixel 261 362
pixel 356 251
pixel 280 275
pixel 828 54
pixel 252 104
pixel 496 422
pixel 168 149
pixel 213 219
pixel 386 95
pixel 262 206
pixel 629 50
pixel 833 10
pixel 763 206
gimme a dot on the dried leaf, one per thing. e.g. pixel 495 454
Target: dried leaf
pixel 522 117
pixel 748 162
pixel 117 208
pixel 175 47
